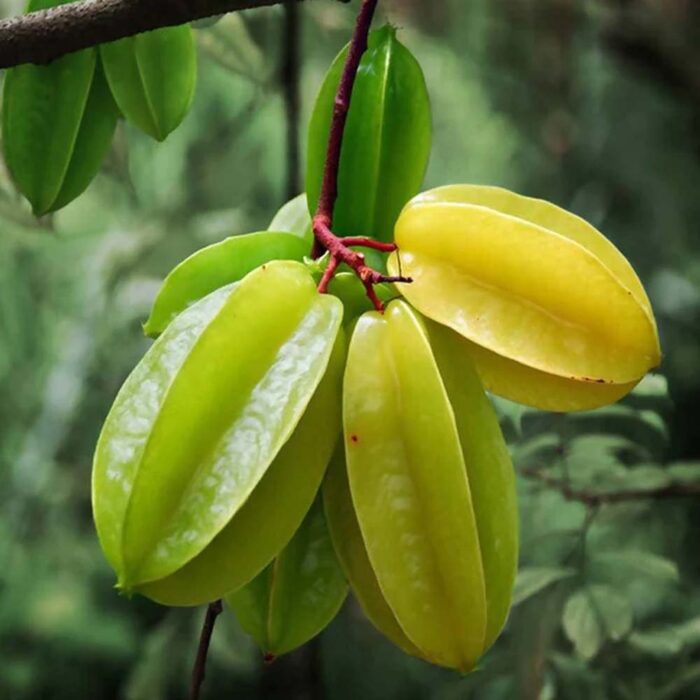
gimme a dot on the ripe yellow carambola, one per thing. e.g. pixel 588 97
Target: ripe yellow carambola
pixel 433 553
pixel 551 313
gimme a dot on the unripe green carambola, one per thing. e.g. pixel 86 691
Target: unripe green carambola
pixel 298 595
pixel 433 491
pixel 152 77
pixel 217 420
pixel 386 143
pixel 215 266
pixel 58 122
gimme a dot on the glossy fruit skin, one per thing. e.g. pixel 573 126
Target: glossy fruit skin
pixel 352 553
pixel 198 423
pixel 432 486
pixel 215 266
pixel 386 143
pixel 58 122
pixel 152 77
pixel 550 311
pixel 264 524
pixel 298 595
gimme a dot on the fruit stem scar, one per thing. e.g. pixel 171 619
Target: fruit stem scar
pixel 324 238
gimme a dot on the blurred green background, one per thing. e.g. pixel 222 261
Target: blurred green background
pixel 594 105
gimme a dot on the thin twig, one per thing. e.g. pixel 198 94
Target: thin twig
pixel 198 672
pixel 593 499
pixel 45 35
pixel 324 238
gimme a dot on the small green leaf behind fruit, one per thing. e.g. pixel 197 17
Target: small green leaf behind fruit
pixel 58 122
pixel 532 580
pixel 152 77
pixel 593 614
pixel 298 595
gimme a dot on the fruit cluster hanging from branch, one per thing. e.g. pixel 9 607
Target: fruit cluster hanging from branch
pixel 276 444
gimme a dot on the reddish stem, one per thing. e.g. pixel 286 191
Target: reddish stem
pixel 341 253
pixel 324 238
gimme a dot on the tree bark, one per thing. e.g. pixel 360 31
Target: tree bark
pixel 43 36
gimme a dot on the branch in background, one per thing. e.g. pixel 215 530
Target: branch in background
pixel 40 37
pixel 593 499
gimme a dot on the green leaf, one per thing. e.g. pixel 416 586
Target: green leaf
pixel 614 610
pixel 690 631
pixel 298 595
pixel 386 142
pixel 152 77
pixel 191 434
pixel 662 643
pixel 533 579
pixel 684 472
pixel 582 624
pixel 543 449
pixel 631 565
pixel 642 478
pixel 669 640
pixel 216 266
pixel 293 217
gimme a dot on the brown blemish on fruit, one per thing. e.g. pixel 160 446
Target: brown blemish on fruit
pixel 591 380
pixel 354 438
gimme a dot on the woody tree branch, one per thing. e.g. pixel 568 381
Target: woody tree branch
pixel 45 35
